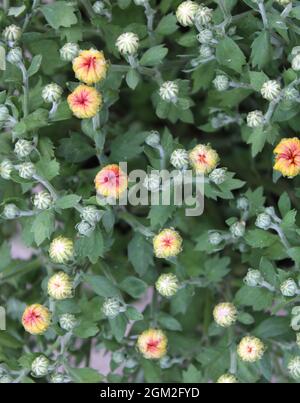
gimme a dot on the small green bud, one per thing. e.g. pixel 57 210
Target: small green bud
pixel 111 308
pixel 12 33
pixel 254 278
pixel 42 200
pixel 69 52
pixel 52 93
pixel 289 288
pixel 40 366
pixel 23 148
pixel 263 221
pixel 221 83
pixel 218 176
pixel 238 229
pixel 153 140
pixel 67 322
pixel 15 56
pixel 6 168
pixel 11 211
pixel 26 170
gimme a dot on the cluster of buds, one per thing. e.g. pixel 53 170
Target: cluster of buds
pixel 90 216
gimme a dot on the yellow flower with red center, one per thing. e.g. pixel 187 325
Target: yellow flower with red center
pixel 60 286
pixel 287 160
pixel 111 181
pixel 204 159
pixel 153 344
pixel 36 319
pixel 251 349
pixel 85 102
pixel 168 243
pixel 90 66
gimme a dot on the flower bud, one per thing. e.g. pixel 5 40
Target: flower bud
pixel 42 200
pixel 225 314
pixel 283 2
pixel 169 91
pixel 263 221
pixel 140 2
pixel 23 148
pixel 180 159
pixel 67 322
pixel 221 83
pixel 118 357
pixel 6 168
pixel 128 43
pixel 238 229
pixel 153 140
pixel 251 349
pixel 271 90
pixel 59 378
pixel 52 93
pixel 205 36
pixel 91 214
pixel 98 7
pixel 36 319
pixel 218 176
pixel 296 63
pixel 15 56
pixel 255 119
pixel 69 52
pixel 242 203
pixel 167 244
pixel 61 250
pixel 84 228
pixel 294 367
pixel 153 344
pixel 227 378
pixel 203 15
pixel 12 33
pixel 11 211
pixel 6 379
pixel 111 308
pixel 167 285
pixel 215 238
pixel 289 288
pixel 152 182
pixel 206 51
pixel 40 366
pixel 26 170
pixel 290 94
pixel 204 159
pixel 186 13
pixel 4 114
pixel 253 278
pixel 60 286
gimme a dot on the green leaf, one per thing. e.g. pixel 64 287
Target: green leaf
pixel 101 286
pixel 5 256
pixel 159 215
pixel 167 25
pixel 261 50
pixel 133 314
pixel 192 375
pixel 168 322
pixel 118 326
pixel 259 238
pixel 127 146
pixel 154 56
pixel 132 79
pixel 91 246
pixel 60 14
pixel 230 55
pixel 35 65
pixel 134 286
pixel 68 201
pixel 257 298
pixel 140 254
pixel 43 226
pixel 273 327
pixel 85 375
pixel 48 169
pixel 257 79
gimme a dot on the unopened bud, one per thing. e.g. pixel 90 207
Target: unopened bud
pixel 26 170
pixel 23 148
pixel 11 211
pixel 40 366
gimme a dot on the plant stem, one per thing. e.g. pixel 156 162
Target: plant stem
pixel 282 236
pixel 233 355
pixel 263 14
pixel 47 185
pixel 88 7
pixel 6 5
pixel 25 89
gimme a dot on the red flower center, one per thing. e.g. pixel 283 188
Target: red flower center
pixel 32 317
pixel 292 155
pixel 202 158
pixel 250 350
pixel 89 63
pixel 152 345
pixel 167 242
pixel 82 99
pixel 111 178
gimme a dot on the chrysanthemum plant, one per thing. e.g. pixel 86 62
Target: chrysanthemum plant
pixel 95 291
